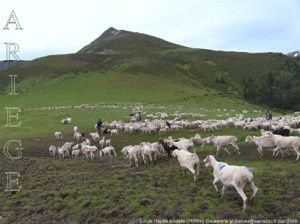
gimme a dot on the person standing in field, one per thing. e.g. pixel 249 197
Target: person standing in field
pixel 268 116
pixel 138 117
pixel 99 126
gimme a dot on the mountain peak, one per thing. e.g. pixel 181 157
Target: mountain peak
pixel 112 33
pixel 112 40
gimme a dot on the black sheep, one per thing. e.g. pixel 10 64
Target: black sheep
pixel 282 132
pixel 166 147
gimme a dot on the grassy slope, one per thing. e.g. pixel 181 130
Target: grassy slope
pixel 177 91
pixel 81 191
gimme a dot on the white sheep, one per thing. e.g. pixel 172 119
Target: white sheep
pixel 68 147
pixel 67 120
pixel 61 152
pixel 231 176
pixel 148 152
pixel 52 150
pixel 261 142
pixel 108 142
pixel 75 129
pixel 95 136
pixel 114 132
pixel 188 161
pixel 102 142
pixel 88 150
pixel 77 136
pixel 131 152
pixel 184 144
pixel 223 141
pixel 205 141
pixel 289 142
pixel 196 140
pixel 107 150
pixel 58 135
pixel 75 153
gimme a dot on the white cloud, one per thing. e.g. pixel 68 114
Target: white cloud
pixel 57 27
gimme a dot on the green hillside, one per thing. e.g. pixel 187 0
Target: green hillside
pixel 145 57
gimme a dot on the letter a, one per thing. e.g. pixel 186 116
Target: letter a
pixel 13 20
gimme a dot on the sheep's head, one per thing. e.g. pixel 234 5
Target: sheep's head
pixel 124 150
pixel 174 153
pixel 197 136
pixel 248 138
pixel 208 160
pixel 211 138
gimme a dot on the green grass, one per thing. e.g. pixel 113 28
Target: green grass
pixel 82 191
pixel 174 92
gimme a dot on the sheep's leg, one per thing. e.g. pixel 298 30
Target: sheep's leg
pixel 243 196
pixel 115 153
pixel 144 158
pixel 254 188
pixel 218 149
pixel 223 190
pixel 297 152
pixel 260 150
pixel 130 160
pixel 236 147
pixel 282 153
pixel 151 160
pixel 136 161
pixel 155 156
pixel 226 150
pixel 274 151
pixel 214 183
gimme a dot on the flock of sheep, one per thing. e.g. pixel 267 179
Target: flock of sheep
pixel 184 148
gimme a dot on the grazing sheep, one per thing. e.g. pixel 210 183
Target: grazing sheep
pixel 188 161
pixel 95 136
pixel 261 142
pixel 114 132
pixel 67 120
pixel 148 152
pixel 223 141
pixel 102 142
pixel 75 153
pixel 287 142
pixel 107 150
pixel 205 141
pixel 88 150
pixel 75 129
pixel 61 152
pixel 196 140
pixel 231 176
pixel 108 142
pixel 86 142
pixel 78 136
pixel 132 153
pixel 58 135
pixel 52 150
pixel 67 147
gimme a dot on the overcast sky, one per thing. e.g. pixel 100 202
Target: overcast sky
pixel 65 26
